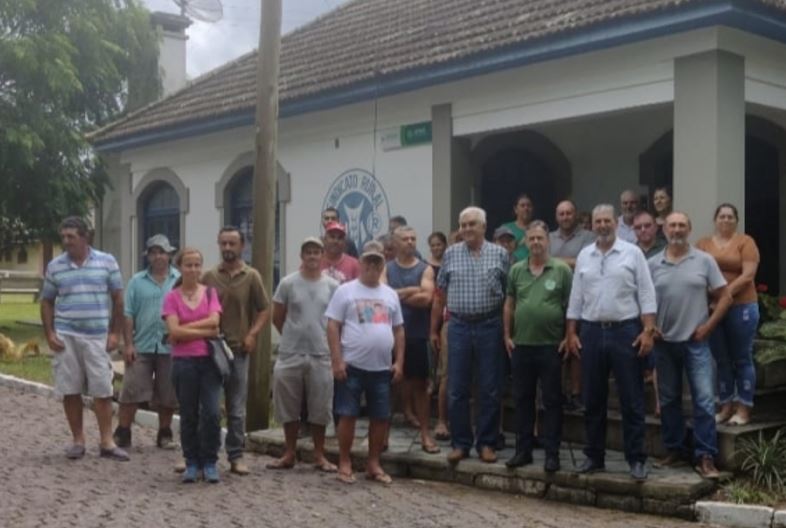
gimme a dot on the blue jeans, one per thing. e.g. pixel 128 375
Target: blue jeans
pixel 607 350
pixel 236 396
pixel 531 364
pixel 474 348
pixel 374 384
pixel 732 346
pixel 198 387
pixel 696 359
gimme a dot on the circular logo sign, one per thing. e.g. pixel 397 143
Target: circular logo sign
pixel 361 203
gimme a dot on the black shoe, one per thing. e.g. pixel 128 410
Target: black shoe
pixel 639 471
pixel 519 459
pixel 122 436
pixel 551 465
pixel 500 442
pixel 590 466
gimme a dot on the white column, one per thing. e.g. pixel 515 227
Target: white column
pixel 709 136
pixel 451 170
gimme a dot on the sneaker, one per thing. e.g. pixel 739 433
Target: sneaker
pixel 238 467
pixel 552 464
pixel 211 473
pixel 122 436
pixel 164 439
pixel 190 474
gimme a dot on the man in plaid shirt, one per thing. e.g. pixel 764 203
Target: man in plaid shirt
pixel 472 284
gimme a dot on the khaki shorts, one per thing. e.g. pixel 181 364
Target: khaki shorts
pixel 299 375
pixel 149 379
pixel 442 363
pixel 83 367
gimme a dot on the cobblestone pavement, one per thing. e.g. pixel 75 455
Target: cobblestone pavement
pixel 40 487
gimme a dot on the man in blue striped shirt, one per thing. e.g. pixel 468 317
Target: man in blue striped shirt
pixel 82 313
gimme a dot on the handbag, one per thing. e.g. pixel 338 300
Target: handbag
pixel 219 350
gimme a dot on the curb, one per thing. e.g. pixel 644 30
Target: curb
pixel 739 515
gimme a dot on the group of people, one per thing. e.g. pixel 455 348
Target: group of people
pixel 531 304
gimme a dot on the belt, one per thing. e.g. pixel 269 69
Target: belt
pixel 610 324
pixel 475 318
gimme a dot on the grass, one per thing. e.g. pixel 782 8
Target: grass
pixel 15 308
pixel 744 491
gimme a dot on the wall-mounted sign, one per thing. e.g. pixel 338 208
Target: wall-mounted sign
pixel 406 136
pixel 361 203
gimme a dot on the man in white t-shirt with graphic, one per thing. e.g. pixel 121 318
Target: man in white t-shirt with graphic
pixel 364 325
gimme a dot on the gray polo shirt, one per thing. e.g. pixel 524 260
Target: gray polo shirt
pixel 681 289
pixel 569 247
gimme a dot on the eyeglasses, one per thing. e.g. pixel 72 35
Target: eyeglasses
pixel 642 227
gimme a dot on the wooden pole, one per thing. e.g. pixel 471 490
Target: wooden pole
pixel 265 175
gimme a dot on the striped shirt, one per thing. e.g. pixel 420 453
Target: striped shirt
pixel 82 293
pixel 474 285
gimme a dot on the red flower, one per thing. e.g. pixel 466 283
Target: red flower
pixel 782 302
pixel 762 288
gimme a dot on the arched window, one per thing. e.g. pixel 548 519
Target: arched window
pixel 240 211
pixel 160 214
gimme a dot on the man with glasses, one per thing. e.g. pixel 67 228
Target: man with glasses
pixel 647 234
pixel 329 216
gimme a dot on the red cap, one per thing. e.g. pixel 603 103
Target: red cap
pixel 335 226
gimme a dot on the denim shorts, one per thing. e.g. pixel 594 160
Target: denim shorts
pixel 374 384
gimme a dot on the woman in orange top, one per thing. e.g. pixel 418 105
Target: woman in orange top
pixel 732 340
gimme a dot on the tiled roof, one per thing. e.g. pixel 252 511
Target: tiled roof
pixel 367 38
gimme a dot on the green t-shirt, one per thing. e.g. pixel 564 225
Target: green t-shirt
pixel 540 302
pixel 522 251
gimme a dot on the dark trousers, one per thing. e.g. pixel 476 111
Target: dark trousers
pixel 198 387
pixel 528 365
pixel 604 350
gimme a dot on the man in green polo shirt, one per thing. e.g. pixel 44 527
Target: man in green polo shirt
pixel 534 324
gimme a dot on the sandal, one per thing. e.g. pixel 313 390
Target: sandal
pixel 431 449
pixel 279 463
pixel 114 453
pixel 381 477
pixel 441 434
pixel 326 467
pixel 346 478
pixel 75 452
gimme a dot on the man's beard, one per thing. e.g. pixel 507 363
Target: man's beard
pixel 229 256
pixel 678 241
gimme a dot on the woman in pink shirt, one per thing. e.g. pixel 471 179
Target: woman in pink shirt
pixel 192 314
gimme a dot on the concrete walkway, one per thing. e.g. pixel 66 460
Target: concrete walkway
pixel 670 492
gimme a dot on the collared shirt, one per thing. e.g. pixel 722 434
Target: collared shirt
pixel 681 288
pixel 474 284
pixel 562 246
pixel 611 286
pixel 242 296
pixel 656 248
pixel 82 293
pixel 625 231
pixel 540 302
pixel 144 297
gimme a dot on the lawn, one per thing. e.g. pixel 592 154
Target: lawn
pixel 13 309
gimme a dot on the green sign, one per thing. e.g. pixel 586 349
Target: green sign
pixel 416 134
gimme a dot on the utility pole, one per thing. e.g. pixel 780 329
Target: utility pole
pixel 265 176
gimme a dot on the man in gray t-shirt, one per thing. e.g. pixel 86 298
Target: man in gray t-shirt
pixel 683 276
pixel 303 365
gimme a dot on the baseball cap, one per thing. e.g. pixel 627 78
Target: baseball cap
pixel 159 240
pixel 311 240
pixel 373 249
pixel 503 231
pixel 335 226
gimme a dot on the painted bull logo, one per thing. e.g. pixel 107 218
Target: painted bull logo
pixel 361 203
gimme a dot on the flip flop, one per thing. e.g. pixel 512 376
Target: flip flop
pixel 75 452
pixel 346 478
pixel 431 449
pixel 382 478
pixel 114 453
pixel 280 464
pixel 326 467
pixel 442 435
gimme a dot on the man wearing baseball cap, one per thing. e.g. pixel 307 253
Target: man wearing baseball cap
pixel 335 262
pixel 364 324
pixel 303 365
pixel 148 364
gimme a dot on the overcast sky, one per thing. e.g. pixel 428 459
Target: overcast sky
pixel 212 44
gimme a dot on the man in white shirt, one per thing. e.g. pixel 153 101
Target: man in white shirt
pixel 629 206
pixel 614 298
pixel 364 324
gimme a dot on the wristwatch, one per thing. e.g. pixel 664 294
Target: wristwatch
pixel 650 330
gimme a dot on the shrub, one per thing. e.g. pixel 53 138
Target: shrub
pixel 764 459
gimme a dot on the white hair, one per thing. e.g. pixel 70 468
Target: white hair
pixel 473 211
pixel 603 208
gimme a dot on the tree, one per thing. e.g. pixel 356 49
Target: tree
pixel 65 69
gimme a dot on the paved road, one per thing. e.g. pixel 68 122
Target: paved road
pixel 39 487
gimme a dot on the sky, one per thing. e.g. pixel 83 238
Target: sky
pixel 212 44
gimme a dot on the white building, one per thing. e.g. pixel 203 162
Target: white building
pixel 422 107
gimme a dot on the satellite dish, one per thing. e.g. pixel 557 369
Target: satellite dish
pixel 204 10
